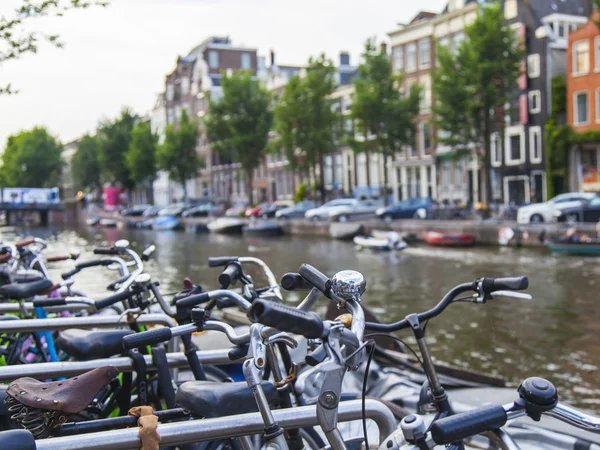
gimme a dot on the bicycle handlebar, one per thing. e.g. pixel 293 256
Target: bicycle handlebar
pixel 111 251
pixel 111 300
pixel 232 273
pixel 218 261
pixel 470 423
pixel 316 278
pixel 286 318
pixel 295 282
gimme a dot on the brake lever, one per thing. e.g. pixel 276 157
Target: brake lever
pixel 281 337
pixel 513 294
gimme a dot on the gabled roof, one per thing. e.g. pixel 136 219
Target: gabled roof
pixel 421 15
pixel 543 8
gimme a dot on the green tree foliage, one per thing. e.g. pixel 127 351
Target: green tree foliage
pixel 115 137
pixel 474 82
pixel 380 110
pixel 16 39
pixel 239 122
pixel 178 154
pixel 141 154
pixel 301 193
pixel 31 159
pixel 304 119
pixel 85 167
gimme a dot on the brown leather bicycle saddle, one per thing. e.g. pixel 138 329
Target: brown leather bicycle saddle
pixel 69 396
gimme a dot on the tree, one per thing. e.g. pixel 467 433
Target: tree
pixel 85 166
pixel 141 156
pixel 16 40
pixel 472 84
pixel 115 137
pixel 31 159
pixel 381 111
pixel 304 119
pixel 238 124
pixel 178 154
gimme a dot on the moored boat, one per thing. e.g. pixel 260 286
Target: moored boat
pixel 392 241
pixel 449 239
pixel 263 228
pixel 345 230
pixel 162 223
pixel 92 221
pixel 226 225
pixel 574 248
pixel 108 223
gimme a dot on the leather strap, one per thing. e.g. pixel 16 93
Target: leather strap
pixel 148 424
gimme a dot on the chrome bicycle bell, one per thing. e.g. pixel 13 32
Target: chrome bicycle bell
pixel 348 285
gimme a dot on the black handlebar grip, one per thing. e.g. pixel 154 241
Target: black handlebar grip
pixel 460 426
pixel 69 274
pixel 286 318
pixel 192 300
pixel 316 278
pixel 511 284
pixel 294 282
pixel 120 296
pixel 106 251
pixel 49 302
pixel 93 263
pixel 231 274
pixel 150 337
pixel 225 302
pixel 238 352
pixel 218 261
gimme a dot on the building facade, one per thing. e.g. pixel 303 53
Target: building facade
pixel 583 104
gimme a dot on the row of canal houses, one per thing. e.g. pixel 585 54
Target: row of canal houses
pixel 547 28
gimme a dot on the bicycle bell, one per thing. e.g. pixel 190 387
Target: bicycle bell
pixel 348 285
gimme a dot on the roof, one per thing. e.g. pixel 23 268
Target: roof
pixel 423 15
pixel 543 8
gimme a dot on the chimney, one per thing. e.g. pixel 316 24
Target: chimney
pixel 272 58
pixel 384 48
pixel 344 58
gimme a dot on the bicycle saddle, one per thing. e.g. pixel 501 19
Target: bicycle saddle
pixel 69 396
pixel 84 345
pixel 25 290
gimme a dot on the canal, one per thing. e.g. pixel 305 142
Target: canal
pixel 556 335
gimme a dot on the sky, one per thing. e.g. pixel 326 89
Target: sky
pixel 119 55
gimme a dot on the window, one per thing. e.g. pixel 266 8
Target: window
pixel 426 97
pixel 446 173
pixel 510 9
pixel 515 145
pixel 398 56
pixel 458 172
pixel 581 58
pixel 535 144
pixel 170 92
pixel 246 61
pixel 374 169
pixel 425 139
pixel 535 103
pixel 411 57
pixel 597 53
pixel 213 59
pixel 361 169
pixel 533 66
pixel 496 150
pixel 598 105
pixel 170 116
pixel 185 86
pixel 457 40
pixel 424 53
pixel 581 108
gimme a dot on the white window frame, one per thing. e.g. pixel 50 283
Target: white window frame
pixel 597 105
pixel 495 151
pixel 574 58
pixel 524 178
pixel 597 54
pixel 576 120
pixel 533 62
pixel 530 96
pixel 398 58
pixel 248 58
pixel 213 61
pixel 411 68
pixel 514 131
pixel 533 131
pixel 427 44
pixel 425 82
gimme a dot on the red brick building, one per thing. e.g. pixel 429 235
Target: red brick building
pixel 583 103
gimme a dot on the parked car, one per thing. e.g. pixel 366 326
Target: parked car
pixel 258 210
pixel 412 208
pixel 176 209
pixel 546 212
pixel 135 211
pixel 278 205
pixel 237 209
pixel 322 212
pixel 153 211
pixel 587 211
pixel 204 210
pixel 360 210
pixel 295 211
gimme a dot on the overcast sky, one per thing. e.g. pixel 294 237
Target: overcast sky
pixel 118 56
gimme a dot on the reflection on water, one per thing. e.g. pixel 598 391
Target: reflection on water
pixel 555 336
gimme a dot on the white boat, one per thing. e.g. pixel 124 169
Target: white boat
pixel 226 225
pixel 108 223
pixel 162 223
pixel 392 241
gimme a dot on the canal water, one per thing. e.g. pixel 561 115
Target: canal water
pixel 556 335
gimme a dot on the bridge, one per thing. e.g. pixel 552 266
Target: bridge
pixel 18 203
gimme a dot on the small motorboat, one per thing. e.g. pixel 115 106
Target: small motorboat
pixel 162 223
pixel 263 228
pixel 345 231
pixel 226 225
pixel 449 239
pixel 92 221
pixel 393 241
pixel 108 223
pixel 574 248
